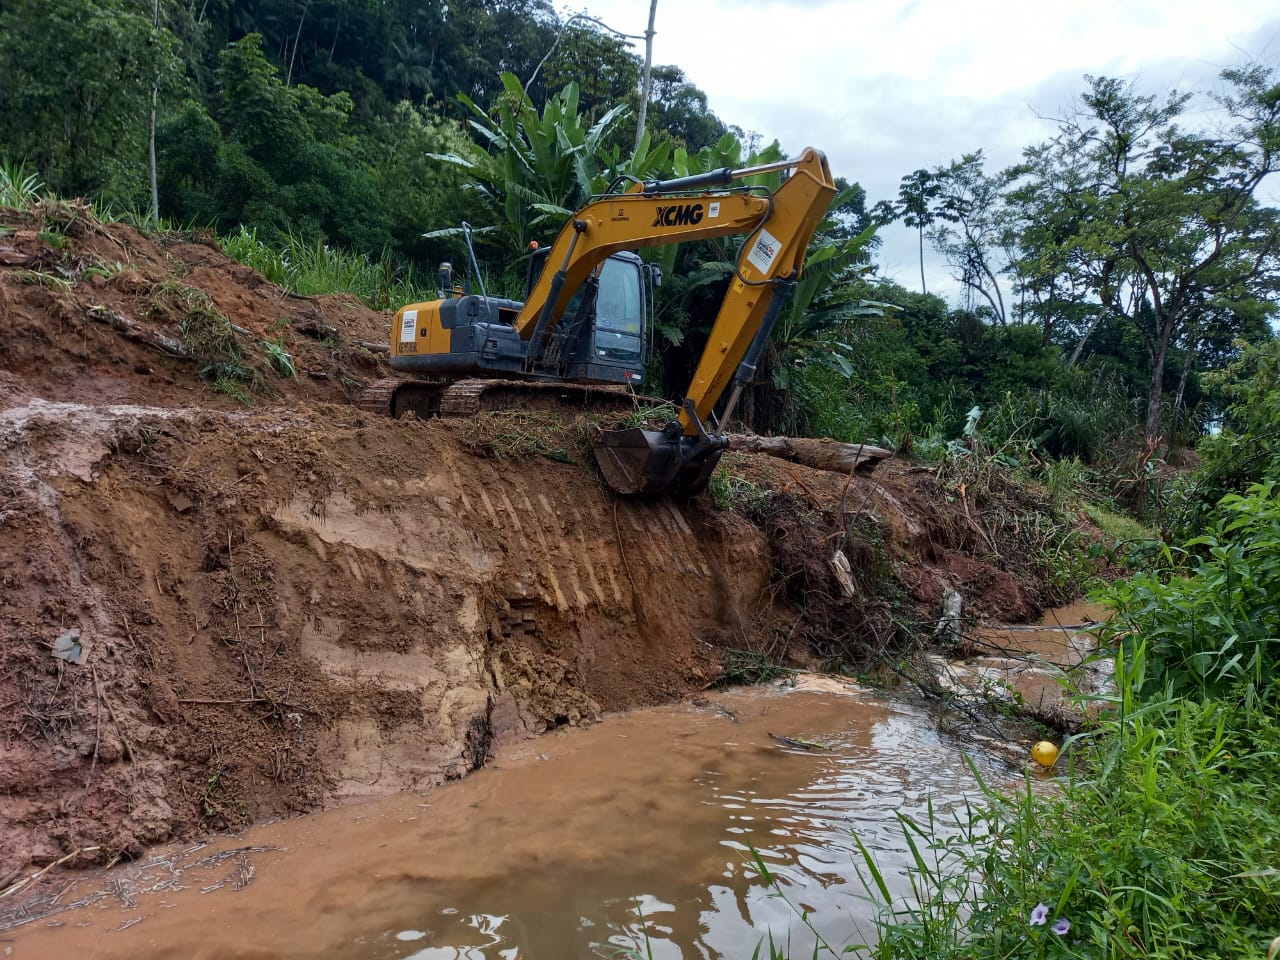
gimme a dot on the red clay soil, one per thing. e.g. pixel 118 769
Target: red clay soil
pixel 212 614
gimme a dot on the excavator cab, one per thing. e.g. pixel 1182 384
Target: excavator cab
pixel 612 330
pixel 621 315
pixel 611 333
pixel 602 339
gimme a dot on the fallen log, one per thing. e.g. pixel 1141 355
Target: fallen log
pixel 823 454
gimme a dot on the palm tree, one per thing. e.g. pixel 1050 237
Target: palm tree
pixel 407 68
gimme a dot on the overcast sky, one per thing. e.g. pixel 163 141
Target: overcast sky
pixel 886 88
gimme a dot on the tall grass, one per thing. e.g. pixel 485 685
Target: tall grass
pixel 19 187
pixel 313 268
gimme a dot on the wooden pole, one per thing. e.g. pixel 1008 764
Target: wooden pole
pixel 648 74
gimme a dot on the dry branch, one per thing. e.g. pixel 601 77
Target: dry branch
pixel 134 331
pixel 36 876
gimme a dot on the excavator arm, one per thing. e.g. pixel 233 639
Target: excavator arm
pixel 768 266
pixel 680 458
pixel 658 213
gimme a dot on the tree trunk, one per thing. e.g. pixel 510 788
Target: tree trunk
pixel 1157 388
pixel 1182 377
pixel 1084 338
pixel 1046 321
pixel 648 73
pixel 819 454
pixel 151 133
pixel 155 183
pixel 296 37
pixel 995 285
pixel 920 231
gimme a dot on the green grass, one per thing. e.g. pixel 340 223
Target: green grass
pixel 312 268
pixel 20 188
pixel 731 492
pixel 211 341
pixel 1117 526
pixel 278 358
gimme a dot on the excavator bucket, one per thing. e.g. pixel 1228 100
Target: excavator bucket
pixel 638 461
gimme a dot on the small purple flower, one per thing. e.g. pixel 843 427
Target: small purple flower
pixel 1039 915
pixel 1061 926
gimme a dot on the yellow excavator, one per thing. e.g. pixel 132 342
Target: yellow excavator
pixel 585 326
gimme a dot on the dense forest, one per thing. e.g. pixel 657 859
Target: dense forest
pixel 296 117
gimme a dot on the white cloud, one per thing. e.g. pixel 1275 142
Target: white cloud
pixel 887 89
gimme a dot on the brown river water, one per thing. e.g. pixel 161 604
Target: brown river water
pixel 634 834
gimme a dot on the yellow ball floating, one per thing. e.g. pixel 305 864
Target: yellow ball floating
pixel 1044 753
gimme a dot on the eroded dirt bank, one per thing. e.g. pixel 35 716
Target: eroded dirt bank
pixel 213 614
pixel 267 611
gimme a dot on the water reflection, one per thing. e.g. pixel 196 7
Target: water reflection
pixel 638 835
pixel 866 777
pixel 485 926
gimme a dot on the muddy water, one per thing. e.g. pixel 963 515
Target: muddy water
pixel 1029 662
pixel 578 844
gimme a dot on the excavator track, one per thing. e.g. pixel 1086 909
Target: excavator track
pixel 395 397
pixel 466 398
pixel 376 398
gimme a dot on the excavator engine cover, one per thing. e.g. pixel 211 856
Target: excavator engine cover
pixel 634 460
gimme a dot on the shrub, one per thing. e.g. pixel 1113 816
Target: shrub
pixel 1219 628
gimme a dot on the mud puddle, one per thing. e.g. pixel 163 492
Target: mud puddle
pixel 1062 636
pixel 633 834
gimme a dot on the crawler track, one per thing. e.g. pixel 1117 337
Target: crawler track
pixel 397 397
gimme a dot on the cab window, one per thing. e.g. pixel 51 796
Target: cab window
pixel 618 299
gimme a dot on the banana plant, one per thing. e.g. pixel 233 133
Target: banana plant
pixel 689 267
pixel 536 169
pixel 817 325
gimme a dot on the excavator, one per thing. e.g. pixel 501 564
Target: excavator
pixel 582 333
